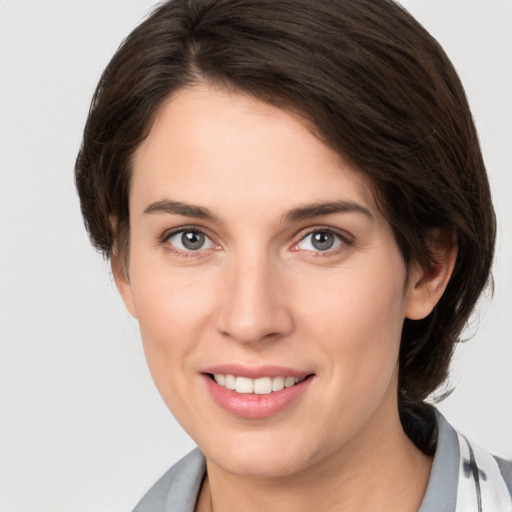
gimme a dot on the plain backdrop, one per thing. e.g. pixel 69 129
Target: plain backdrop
pixel 82 427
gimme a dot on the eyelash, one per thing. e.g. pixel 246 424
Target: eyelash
pixel 164 240
pixel 344 239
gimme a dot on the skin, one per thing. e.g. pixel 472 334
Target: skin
pixel 259 293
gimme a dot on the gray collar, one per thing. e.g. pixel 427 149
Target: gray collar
pixel 441 494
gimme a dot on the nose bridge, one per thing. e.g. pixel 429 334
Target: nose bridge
pixel 253 308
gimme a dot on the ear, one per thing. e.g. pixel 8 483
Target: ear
pixel 122 280
pixel 426 286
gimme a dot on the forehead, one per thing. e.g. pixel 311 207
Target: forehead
pixel 206 143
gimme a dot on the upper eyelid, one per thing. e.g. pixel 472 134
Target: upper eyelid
pixel 173 231
pixel 343 234
pixel 164 239
pixel 346 241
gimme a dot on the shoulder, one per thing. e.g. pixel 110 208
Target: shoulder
pixel 178 488
pixel 489 476
pixel 506 471
pixel 464 476
pixel 484 480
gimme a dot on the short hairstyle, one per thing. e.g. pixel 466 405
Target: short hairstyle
pixel 372 84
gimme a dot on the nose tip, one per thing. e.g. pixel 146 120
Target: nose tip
pixel 248 329
pixel 252 309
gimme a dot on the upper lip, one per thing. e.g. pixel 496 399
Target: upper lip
pixel 256 372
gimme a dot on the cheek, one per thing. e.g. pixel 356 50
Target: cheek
pixel 355 303
pixel 172 309
pixel 168 299
pixel 354 328
pixel 357 319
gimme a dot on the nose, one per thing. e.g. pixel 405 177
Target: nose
pixel 255 305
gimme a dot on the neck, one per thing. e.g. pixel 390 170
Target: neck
pixel 380 470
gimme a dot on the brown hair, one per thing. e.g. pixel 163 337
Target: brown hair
pixel 375 86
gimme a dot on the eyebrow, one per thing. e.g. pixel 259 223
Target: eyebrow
pixel 179 208
pixel 310 211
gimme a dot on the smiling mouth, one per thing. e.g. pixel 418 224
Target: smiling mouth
pixel 260 386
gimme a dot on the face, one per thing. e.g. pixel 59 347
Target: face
pixel 268 286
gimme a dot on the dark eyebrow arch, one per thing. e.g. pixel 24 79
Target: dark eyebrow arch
pixel 318 209
pixel 179 208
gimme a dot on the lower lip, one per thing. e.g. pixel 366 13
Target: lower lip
pixel 254 406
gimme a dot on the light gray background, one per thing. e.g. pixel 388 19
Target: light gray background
pixel 81 425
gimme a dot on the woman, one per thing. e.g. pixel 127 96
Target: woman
pixel 297 212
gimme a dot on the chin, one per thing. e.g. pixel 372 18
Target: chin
pixel 278 466
pixel 260 458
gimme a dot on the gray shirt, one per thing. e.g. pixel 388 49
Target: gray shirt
pixel 178 489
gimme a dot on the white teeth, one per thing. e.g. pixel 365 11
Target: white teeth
pixel 261 386
pixel 289 382
pixel 277 383
pixel 220 379
pixel 244 385
pixel 230 382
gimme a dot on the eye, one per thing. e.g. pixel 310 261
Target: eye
pixel 320 241
pixel 189 240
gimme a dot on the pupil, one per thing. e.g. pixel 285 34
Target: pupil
pixel 192 240
pixel 323 241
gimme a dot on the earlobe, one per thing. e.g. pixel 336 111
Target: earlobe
pixel 122 281
pixel 428 285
